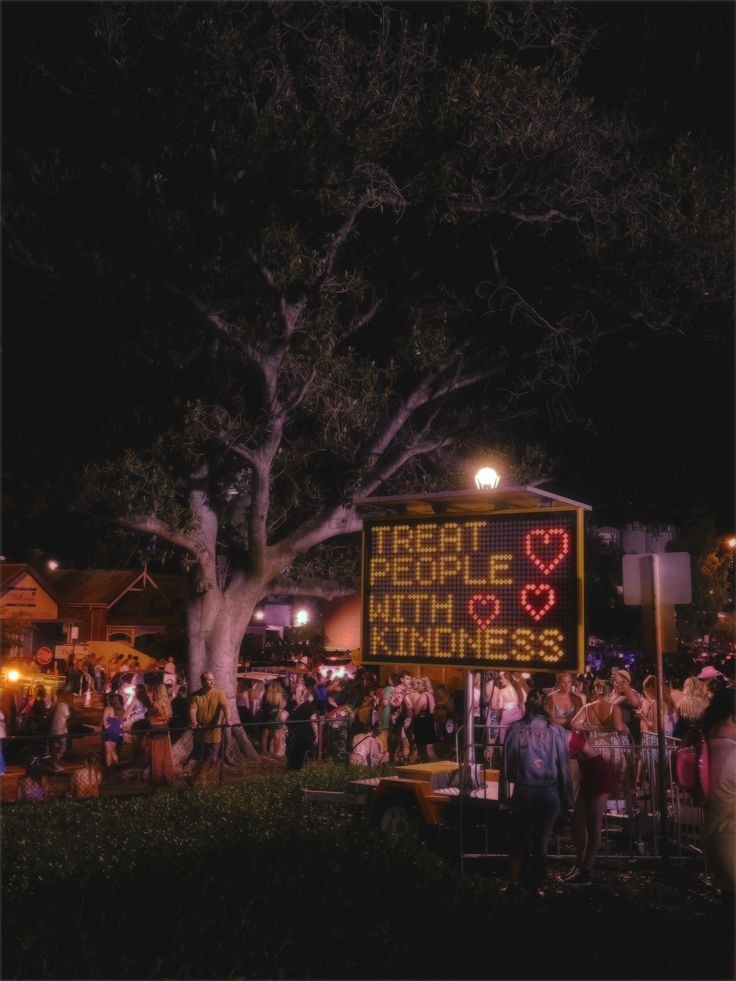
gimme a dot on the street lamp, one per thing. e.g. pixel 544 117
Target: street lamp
pixel 487 479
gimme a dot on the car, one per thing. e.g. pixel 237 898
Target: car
pixel 340 663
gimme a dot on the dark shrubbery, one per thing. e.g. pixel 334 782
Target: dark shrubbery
pixel 245 881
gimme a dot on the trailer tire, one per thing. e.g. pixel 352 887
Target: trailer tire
pixel 397 816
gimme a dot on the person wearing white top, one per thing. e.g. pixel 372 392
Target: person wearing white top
pixel 510 697
pixel 58 731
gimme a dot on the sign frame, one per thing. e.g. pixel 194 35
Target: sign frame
pixel 574 657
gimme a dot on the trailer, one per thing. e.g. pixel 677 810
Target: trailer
pixel 425 799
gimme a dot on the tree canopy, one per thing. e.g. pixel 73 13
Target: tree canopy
pixel 341 245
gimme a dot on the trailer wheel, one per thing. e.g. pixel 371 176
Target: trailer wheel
pixel 397 816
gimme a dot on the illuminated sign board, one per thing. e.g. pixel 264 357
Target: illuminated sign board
pixel 488 592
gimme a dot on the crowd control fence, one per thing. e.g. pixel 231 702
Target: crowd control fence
pixel 633 823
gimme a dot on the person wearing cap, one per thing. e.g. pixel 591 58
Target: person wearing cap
pixel 712 678
pixel 628 701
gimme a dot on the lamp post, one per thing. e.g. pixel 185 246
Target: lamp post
pixel 731 542
pixel 485 479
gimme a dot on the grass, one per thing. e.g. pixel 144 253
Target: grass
pixel 245 881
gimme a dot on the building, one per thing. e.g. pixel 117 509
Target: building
pixel 65 606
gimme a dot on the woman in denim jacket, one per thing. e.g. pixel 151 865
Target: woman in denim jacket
pixel 535 760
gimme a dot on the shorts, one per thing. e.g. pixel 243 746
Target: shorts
pixel 57 742
pixel 534 808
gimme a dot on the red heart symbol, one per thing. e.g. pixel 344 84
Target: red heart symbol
pixel 484 608
pixel 546 548
pixel 535 611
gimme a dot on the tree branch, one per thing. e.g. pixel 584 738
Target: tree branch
pixel 217 322
pixel 398 459
pixel 149 524
pixel 311 533
pixel 428 391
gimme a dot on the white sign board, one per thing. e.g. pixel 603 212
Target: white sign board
pixel 675 584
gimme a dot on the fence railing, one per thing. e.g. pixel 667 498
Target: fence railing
pixel 633 825
pixel 331 741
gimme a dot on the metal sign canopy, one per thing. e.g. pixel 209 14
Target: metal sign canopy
pixel 464 502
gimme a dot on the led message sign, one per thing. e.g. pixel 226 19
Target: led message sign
pixel 494 591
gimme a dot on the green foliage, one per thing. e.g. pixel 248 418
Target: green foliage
pixel 344 244
pixel 246 881
pixel 709 567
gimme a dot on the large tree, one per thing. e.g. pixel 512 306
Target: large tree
pixel 339 242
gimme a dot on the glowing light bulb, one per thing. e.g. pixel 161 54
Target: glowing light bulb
pixel 487 479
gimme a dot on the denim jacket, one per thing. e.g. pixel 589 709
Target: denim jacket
pixel 535 754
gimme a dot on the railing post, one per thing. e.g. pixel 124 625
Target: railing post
pixel 223 748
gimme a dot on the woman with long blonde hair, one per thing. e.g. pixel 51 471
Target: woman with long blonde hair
pixel 158 715
pixel 274 704
pixel 562 704
pixel 421 702
pixel 694 700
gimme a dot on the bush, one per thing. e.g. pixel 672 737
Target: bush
pixel 244 881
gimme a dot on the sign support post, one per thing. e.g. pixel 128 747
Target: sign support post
pixel 656 582
pixel 652 564
pixel 469 720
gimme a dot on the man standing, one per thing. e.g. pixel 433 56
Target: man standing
pixel 59 731
pixel 207 711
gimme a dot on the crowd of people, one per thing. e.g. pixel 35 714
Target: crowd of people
pixel 297 716
pixel 579 745
pixel 563 751
pixel 588 731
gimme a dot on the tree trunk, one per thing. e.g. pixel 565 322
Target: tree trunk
pixel 217 622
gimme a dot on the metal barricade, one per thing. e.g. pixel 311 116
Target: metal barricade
pixel 632 824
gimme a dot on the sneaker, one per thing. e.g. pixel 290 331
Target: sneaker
pixel 582 877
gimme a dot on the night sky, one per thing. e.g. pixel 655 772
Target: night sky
pixel 662 431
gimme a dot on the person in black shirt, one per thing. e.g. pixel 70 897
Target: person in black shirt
pixel 300 737
pixel 179 714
